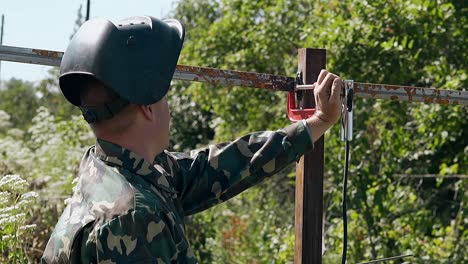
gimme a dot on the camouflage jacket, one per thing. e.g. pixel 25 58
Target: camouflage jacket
pixel 126 210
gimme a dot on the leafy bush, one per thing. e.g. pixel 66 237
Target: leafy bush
pixel 47 155
pixel 16 203
pixel 398 42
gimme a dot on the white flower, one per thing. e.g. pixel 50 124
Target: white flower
pixel 15 133
pixel 4 120
pixel 4 198
pixel 12 219
pixel 28 227
pixel 13 183
pixel 4 212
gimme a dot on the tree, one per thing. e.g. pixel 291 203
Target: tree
pixel 19 100
pixel 396 42
pixel 78 21
pixel 51 97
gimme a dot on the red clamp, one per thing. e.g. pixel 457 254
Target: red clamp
pixel 295 111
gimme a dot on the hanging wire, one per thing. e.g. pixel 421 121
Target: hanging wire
pixel 386 259
pixel 346 136
pixel 345 216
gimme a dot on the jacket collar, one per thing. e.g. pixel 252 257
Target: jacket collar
pixel 118 156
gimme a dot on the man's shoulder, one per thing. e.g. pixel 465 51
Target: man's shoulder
pixel 102 193
pixel 104 189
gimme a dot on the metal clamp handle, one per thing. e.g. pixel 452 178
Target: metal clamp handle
pixel 347 111
pixel 296 112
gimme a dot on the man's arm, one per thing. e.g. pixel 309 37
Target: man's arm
pixel 327 93
pixel 219 172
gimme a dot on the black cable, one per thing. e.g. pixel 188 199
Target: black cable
pixel 345 216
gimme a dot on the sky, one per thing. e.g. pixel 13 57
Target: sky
pixel 48 24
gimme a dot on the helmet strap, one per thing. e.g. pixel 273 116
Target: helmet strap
pixel 103 112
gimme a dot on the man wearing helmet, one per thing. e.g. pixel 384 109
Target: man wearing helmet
pixel 132 195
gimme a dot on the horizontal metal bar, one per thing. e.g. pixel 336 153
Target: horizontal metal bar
pixel 234 78
pixel 421 176
pixel 31 56
pixel 410 94
pixel 404 93
pixel 260 80
pixel 183 72
pixel 386 259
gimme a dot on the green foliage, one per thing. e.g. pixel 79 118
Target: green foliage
pixel 413 43
pixel 15 207
pixel 190 124
pixel 240 35
pixel 18 99
pixel 49 95
pixel 47 156
pixel 396 42
pixel 219 235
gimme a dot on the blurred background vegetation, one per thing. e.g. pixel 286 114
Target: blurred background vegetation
pixel 393 209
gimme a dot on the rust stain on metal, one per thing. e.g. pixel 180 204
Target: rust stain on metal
pixel 47 53
pixel 410 91
pixel 238 78
pixel 428 100
pixel 442 101
pixel 260 80
pixel 282 83
pixel 389 87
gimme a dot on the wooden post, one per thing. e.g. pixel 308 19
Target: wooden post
pixel 309 174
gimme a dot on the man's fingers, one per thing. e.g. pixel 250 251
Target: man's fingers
pixel 336 90
pixel 321 76
pixel 327 83
pixel 327 96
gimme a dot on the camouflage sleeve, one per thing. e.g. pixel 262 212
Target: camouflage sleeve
pixel 215 174
pixel 133 238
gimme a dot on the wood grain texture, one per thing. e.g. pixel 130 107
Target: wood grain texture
pixel 309 175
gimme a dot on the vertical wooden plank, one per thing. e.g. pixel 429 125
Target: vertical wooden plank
pixel 309 175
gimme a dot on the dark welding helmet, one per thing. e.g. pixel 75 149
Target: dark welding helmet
pixel 136 58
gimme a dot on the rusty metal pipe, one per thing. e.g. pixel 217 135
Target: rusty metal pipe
pixel 260 80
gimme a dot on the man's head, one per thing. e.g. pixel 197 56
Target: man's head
pixel 150 122
pixel 94 94
pixel 119 75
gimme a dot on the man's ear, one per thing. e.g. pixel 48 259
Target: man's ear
pixel 147 111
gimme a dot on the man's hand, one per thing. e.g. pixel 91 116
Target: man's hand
pixel 327 97
pixel 327 103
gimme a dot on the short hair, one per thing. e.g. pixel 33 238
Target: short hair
pixel 94 93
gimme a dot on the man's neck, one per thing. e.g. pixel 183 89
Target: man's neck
pixel 138 145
